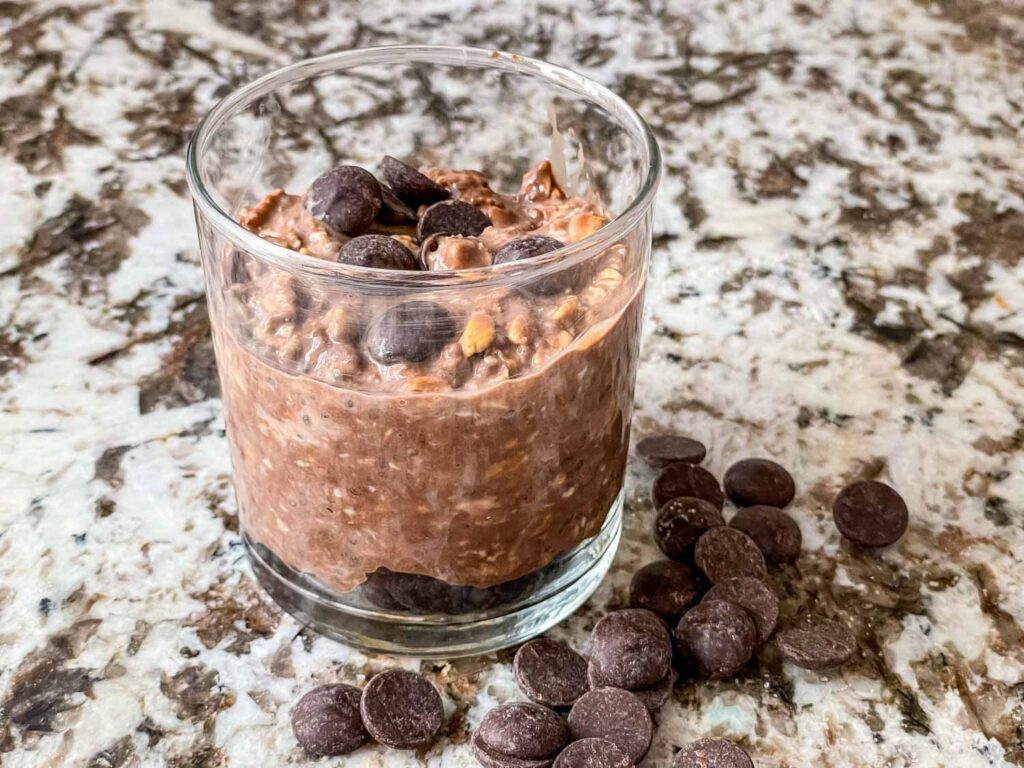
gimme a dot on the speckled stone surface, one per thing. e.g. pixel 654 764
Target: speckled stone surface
pixel 838 283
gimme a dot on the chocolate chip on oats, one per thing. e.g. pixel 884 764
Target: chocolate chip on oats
pixel 528 247
pixel 712 753
pixel 550 672
pixel 666 587
pixel 452 217
pixel 652 696
pixel 680 522
pixel 816 643
pixel 413 332
pixel 379 252
pixel 759 481
pixel 776 534
pixel 519 731
pixel 401 709
pixel 755 597
pixel 870 514
pixel 659 451
pixel 326 721
pixel 412 187
pixel 681 479
pixel 393 211
pixel 592 753
pixel 728 553
pixel 345 199
pixel 632 648
pixel 717 638
pixel 616 715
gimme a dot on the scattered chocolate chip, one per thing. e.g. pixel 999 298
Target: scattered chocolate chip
pixel 379 252
pixel 452 217
pixel 776 534
pixel 528 247
pixel 550 672
pixel 616 715
pixel 728 553
pixel 759 481
pixel 712 753
pixel 755 597
pixel 652 696
pixel 592 753
pixel 490 759
pixel 666 587
pixel 681 479
pixel 413 332
pixel 632 648
pixel 411 186
pixel 345 199
pixel 519 731
pixel 717 638
pixel 659 451
pixel 816 643
pixel 870 514
pixel 680 522
pixel 326 721
pixel 393 211
pixel 401 709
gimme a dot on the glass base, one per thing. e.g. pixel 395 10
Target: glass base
pixel 558 590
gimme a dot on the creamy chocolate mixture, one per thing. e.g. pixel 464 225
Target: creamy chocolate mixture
pixel 476 462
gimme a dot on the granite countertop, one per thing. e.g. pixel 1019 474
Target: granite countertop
pixel 838 282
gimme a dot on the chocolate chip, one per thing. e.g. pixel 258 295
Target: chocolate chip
pixel 680 479
pixel 727 553
pixel 816 643
pixel 491 759
pixel 379 252
pixel 776 534
pixel 759 481
pixel 870 514
pixel 712 753
pixel 717 638
pixel 616 715
pixel 632 648
pixel 550 672
pixel 393 211
pixel 401 709
pixel 528 247
pixel 652 696
pixel 345 199
pixel 755 597
pixel 593 753
pixel 411 186
pixel 520 731
pixel 413 332
pixel 659 451
pixel 681 522
pixel 666 587
pixel 326 721
pixel 452 217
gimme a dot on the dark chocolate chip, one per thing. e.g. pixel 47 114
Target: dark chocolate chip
pixel 659 451
pixel 728 553
pixel 681 479
pixel 550 672
pixel 632 648
pixel 326 721
pixel 393 211
pixel 776 534
pixel 712 753
pixel 411 186
pixel 593 753
pixel 379 252
pixel 816 643
pixel 666 587
pixel 870 514
pixel 401 709
pixel 452 217
pixel 680 522
pixel 754 596
pixel 759 481
pixel 616 715
pixel 345 199
pixel 522 730
pixel 488 758
pixel 652 696
pixel 413 332
pixel 528 247
pixel 717 638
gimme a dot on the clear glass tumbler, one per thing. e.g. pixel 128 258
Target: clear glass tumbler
pixel 467 498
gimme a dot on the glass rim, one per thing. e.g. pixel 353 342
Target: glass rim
pixel 321 269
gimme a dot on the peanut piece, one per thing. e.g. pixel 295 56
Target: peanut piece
pixel 584 225
pixel 477 335
pixel 519 330
pixel 566 310
pixel 561 340
pixel 611 276
pixel 425 384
